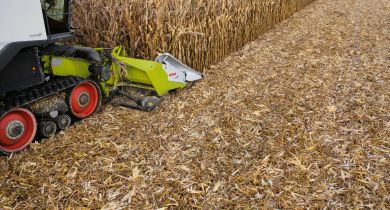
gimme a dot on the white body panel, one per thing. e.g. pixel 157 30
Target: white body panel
pixel 177 71
pixel 21 20
pixel 2 44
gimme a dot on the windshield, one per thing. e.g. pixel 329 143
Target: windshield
pixel 55 9
pixel 56 14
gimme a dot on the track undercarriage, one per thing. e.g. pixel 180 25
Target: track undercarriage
pixel 44 110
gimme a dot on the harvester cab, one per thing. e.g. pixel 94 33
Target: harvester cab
pixel 45 85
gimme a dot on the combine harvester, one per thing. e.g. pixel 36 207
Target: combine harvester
pixel 44 85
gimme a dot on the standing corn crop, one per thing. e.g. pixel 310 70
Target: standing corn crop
pixel 198 32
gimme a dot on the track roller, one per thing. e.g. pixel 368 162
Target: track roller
pixel 63 122
pixel 150 103
pixel 84 99
pixel 142 102
pixel 17 130
pixel 47 129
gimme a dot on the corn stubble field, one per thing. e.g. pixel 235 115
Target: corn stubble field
pixel 298 118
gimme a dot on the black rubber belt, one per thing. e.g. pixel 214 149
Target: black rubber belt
pixel 22 98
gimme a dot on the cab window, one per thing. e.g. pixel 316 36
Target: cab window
pixel 56 13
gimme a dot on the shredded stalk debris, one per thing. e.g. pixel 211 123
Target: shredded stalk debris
pixel 299 118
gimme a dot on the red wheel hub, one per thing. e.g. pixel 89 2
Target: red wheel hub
pixel 17 130
pixel 84 99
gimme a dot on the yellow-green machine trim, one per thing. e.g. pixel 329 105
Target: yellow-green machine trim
pixel 66 66
pixel 141 73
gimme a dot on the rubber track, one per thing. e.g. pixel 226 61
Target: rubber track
pixel 22 98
